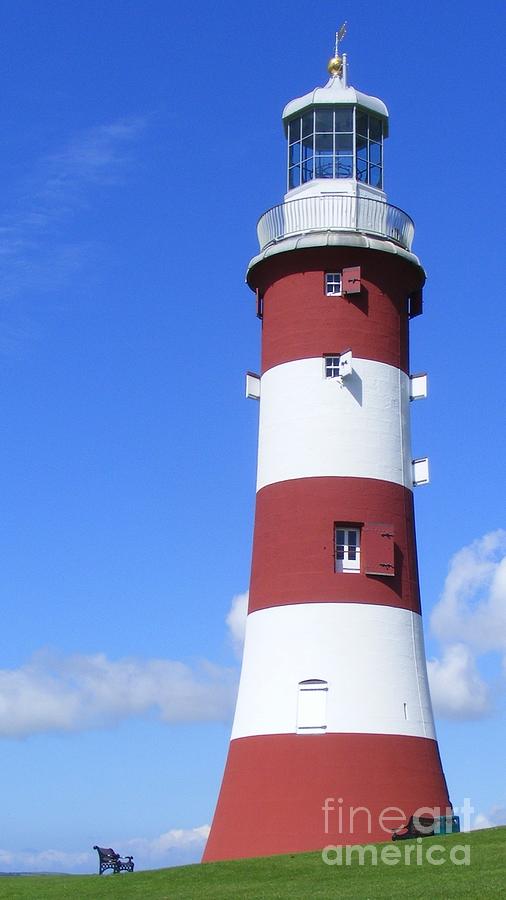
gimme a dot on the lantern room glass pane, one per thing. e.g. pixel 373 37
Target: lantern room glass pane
pixel 324 143
pixel 344 167
pixel 362 170
pixel 307 147
pixel 307 170
pixel 294 177
pixel 324 120
pixel 307 124
pixel 324 167
pixel 344 143
pixel 375 154
pixel 294 154
pixel 344 120
pixel 375 128
pixel 361 147
pixel 294 131
pixel 375 176
pixel 362 123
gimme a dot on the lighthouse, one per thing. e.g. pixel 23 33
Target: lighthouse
pixel 333 740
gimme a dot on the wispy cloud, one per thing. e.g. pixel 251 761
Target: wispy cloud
pixel 470 621
pixel 75 693
pixel 36 251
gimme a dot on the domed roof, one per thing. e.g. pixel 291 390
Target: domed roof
pixel 336 92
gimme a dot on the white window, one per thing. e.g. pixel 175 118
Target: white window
pixel 338 365
pixel 332 364
pixel 347 548
pixel 333 284
pixel 312 706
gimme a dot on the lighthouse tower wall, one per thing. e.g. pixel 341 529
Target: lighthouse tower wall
pixel 333 710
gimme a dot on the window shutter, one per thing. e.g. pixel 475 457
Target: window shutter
pixel 351 280
pixel 312 706
pixel 415 304
pixel 417 387
pixel 378 549
pixel 345 363
pixel 252 386
pixel 421 471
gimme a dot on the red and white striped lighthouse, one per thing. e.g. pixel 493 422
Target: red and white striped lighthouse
pixel 333 740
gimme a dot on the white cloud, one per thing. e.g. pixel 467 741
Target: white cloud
pixel 236 621
pixel 492 819
pixel 472 607
pixel 456 687
pixel 178 846
pixel 470 621
pixel 178 843
pixel 74 693
pixel 53 692
pixel 45 861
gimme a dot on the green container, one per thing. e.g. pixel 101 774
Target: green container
pixel 446 825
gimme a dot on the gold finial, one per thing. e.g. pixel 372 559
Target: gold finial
pixel 335 65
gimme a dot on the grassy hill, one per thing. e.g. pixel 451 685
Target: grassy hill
pixel 296 877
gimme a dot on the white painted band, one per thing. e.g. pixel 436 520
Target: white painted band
pixel 313 426
pixel 372 658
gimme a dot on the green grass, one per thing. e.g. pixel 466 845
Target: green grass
pixel 298 877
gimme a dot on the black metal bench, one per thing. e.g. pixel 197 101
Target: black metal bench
pixel 416 826
pixel 109 859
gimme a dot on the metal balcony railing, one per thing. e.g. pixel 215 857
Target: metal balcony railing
pixel 335 212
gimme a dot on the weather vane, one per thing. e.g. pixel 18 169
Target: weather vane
pixel 335 65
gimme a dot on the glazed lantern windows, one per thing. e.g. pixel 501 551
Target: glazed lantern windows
pixel 369 157
pixel 321 145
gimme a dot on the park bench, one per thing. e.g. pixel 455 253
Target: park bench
pixel 416 826
pixel 109 859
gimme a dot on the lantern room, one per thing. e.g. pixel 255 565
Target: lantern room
pixel 335 138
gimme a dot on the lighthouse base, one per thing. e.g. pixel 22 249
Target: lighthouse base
pixel 290 793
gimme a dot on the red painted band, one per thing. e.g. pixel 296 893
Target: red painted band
pixel 293 543
pixel 275 787
pixel 301 322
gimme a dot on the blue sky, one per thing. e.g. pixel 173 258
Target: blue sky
pixel 141 141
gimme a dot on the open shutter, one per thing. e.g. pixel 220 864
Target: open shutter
pixel 252 386
pixel 351 280
pixel 417 387
pixel 378 549
pixel 421 471
pixel 415 304
pixel 345 360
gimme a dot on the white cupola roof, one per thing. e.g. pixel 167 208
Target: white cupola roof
pixel 337 93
